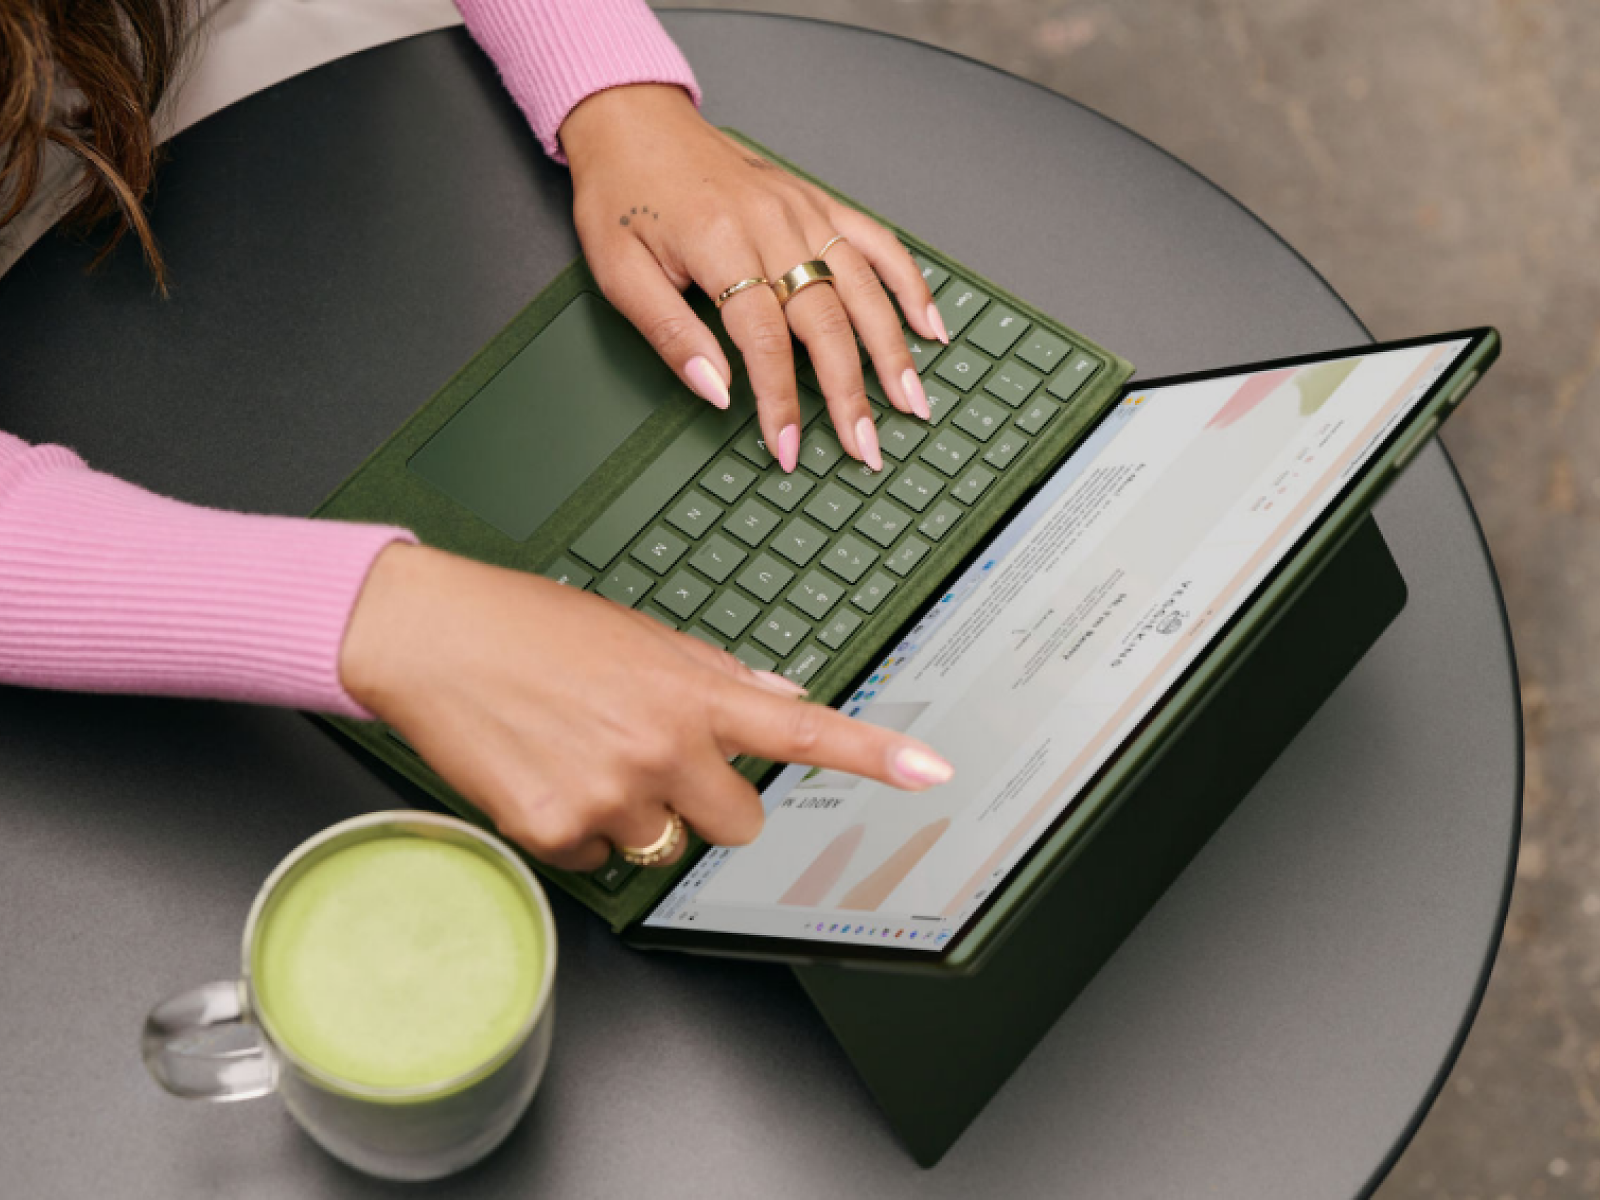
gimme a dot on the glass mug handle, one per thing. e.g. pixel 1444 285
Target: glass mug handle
pixel 202 1045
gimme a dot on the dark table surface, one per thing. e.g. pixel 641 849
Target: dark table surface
pixel 340 245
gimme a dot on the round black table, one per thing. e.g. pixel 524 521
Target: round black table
pixel 340 244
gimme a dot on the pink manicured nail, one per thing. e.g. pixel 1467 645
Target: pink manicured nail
pixel 936 319
pixel 912 386
pixel 774 682
pixel 703 378
pixel 867 443
pixel 789 447
pixel 921 768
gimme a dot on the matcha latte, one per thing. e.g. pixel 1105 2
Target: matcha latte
pixel 398 963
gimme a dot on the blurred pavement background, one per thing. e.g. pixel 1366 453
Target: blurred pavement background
pixel 1439 162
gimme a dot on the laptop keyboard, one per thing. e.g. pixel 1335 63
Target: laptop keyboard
pixel 784 571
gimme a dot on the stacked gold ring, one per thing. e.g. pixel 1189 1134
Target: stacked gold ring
pixel 728 293
pixel 792 283
pixel 829 244
pixel 659 850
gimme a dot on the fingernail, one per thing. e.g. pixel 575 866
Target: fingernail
pixel 936 319
pixel 921 768
pixel 867 443
pixel 911 384
pixel 789 447
pixel 774 682
pixel 703 378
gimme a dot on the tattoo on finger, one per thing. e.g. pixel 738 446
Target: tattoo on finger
pixel 642 210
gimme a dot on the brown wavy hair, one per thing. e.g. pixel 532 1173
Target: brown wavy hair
pixel 88 75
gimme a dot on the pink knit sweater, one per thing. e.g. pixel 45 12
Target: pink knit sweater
pixel 106 587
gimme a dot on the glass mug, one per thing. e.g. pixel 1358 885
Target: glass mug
pixel 219 1043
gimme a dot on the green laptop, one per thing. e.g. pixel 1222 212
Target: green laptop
pixel 1045 581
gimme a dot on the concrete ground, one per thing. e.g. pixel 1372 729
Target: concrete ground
pixel 1439 162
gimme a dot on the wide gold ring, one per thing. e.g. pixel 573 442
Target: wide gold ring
pixel 659 850
pixel 792 283
pixel 729 292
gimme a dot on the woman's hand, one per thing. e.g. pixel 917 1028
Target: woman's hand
pixel 664 200
pixel 575 723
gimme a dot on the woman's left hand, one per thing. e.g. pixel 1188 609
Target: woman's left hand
pixel 664 200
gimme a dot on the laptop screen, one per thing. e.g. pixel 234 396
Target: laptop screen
pixel 1066 631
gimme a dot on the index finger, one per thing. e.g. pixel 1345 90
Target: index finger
pixel 748 721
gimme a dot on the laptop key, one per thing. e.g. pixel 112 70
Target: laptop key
pixel 873 592
pixel 800 541
pixel 755 659
pixel 615 873
pixel 765 578
pixel 626 584
pixel 786 490
pixel 883 522
pixel 1043 351
pixel 907 555
pixel 650 610
pixel 708 638
pixel 693 514
pixel 751 446
pixel 941 402
pixel 564 570
pixel 923 352
pixel 863 478
pixel 849 558
pixel 781 631
pixel 932 272
pixel 728 479
pixel 730 614
pixel 660 550
pixel 981 418
pixel 939 519
pixel 1037 415
pixel 806 664
pixel 1011 384
pixel 751 522
pixel 948 451
pixel 899 436
pixel 973 484
pixel 717 558
pixel 833 506
pixel 963 367
pixel 998 331
pixel 1079 370
pixel 837 631
pixel 682 595
pixel 959 303
pixel 916 487
pixel 819 450
pixel 815 595
pixel 1006 447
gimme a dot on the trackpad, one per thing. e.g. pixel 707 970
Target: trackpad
pixel 552 415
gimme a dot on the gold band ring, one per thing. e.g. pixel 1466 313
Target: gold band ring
pixel 659 850
pixel 828 245
pixel 798 280
pixel 728 293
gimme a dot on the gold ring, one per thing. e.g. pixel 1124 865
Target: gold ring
pixel 798 280
pixel 659 850
pixel 728 293
pixel 828 245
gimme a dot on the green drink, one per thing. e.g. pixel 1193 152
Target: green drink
pixel 398 963
pixel 397 996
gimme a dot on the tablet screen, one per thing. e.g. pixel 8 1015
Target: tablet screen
pixel 1050 649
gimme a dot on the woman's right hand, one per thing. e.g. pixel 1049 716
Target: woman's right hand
pixel 575 723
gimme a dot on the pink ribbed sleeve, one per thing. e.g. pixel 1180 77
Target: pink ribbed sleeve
pixel 553 53
pixel 106 587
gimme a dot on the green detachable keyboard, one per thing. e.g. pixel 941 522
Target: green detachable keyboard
pixel 688 517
